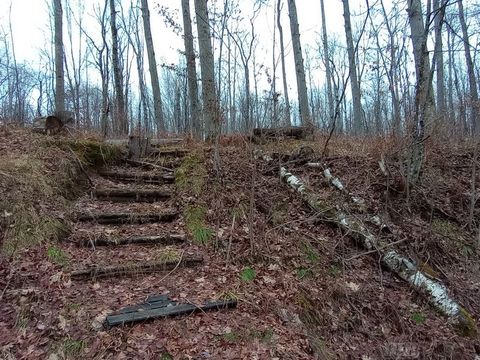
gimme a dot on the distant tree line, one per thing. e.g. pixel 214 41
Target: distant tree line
pixel 404 67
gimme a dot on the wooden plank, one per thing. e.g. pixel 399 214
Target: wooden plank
pixel 147 165
pixel 96 272
pixel 180 309
pixel 167 239
pixel 131 195
pixel 128 218
pixel 170 152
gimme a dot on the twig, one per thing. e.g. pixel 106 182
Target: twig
pixel 175 268
pixel 229 247
pixel 375 250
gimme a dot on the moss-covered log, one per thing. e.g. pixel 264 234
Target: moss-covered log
pixel 391 259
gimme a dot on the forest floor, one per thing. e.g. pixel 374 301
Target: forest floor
pixel 304 289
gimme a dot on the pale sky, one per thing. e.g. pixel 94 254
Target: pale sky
pixel 31 31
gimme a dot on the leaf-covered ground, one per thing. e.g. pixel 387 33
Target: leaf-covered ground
pixel 304 289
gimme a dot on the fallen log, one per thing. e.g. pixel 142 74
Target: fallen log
pixel 170 152
pixel 163 307
pixel 96 272
pixel 127 195
pixel 128 218
pixel 147 165
pixel 167 239
pixel 292 132
pixel 391 259
pixel 145 178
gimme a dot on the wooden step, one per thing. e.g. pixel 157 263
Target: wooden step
pixel 95 272
pixel 131 195
pixel 160 308
pixel 167 239
pixel 145 178
pixel 128 218
pixel 175 152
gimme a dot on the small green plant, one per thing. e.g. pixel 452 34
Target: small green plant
pixel 168 255
pixel 419 318
pixel 310 252
pixel 165 356
pixel 231 337
pixel 248 274
pixel 195 223
pixel 57 256
pixel 265 336
pixel 72 348
pixel 334 270
pixel 303 273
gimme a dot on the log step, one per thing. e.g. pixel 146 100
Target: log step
pixel 170 152
pixel 96 272
pixel 127 195
pixel 144 178
pixel 169 239
pixel 163 307
pixel 128 218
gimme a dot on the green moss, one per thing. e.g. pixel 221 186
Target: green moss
pixel 196 224
pixel 191 174
pixel 92 152
pixel 466 324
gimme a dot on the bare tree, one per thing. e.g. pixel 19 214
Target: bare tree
pixel 326 59
pixel 299 67
pixel 439 64
pixel 211 105
pixel 472 82
pixel 59 70
pixel 354 83
pixel 152 66
pixel 288 120
pixel 191 70
pixel 122 123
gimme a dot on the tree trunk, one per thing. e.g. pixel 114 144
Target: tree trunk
pixel 326 59
pixel 355 86
pixel 424 100
pixel 191 70
pixel 305 116
pixel 211 106
pixel 288 120
pixel 472 82
pixel 152 65
pixel 117 74
pixel 441 100
pixel 59 70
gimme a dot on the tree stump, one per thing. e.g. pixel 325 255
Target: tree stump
pixel 138 147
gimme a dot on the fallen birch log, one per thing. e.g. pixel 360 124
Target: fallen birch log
pixel 391 259
pixel 95 272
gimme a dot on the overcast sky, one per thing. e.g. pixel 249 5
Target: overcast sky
pixel 31 30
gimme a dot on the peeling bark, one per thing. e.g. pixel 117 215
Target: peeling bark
pixel 391 259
